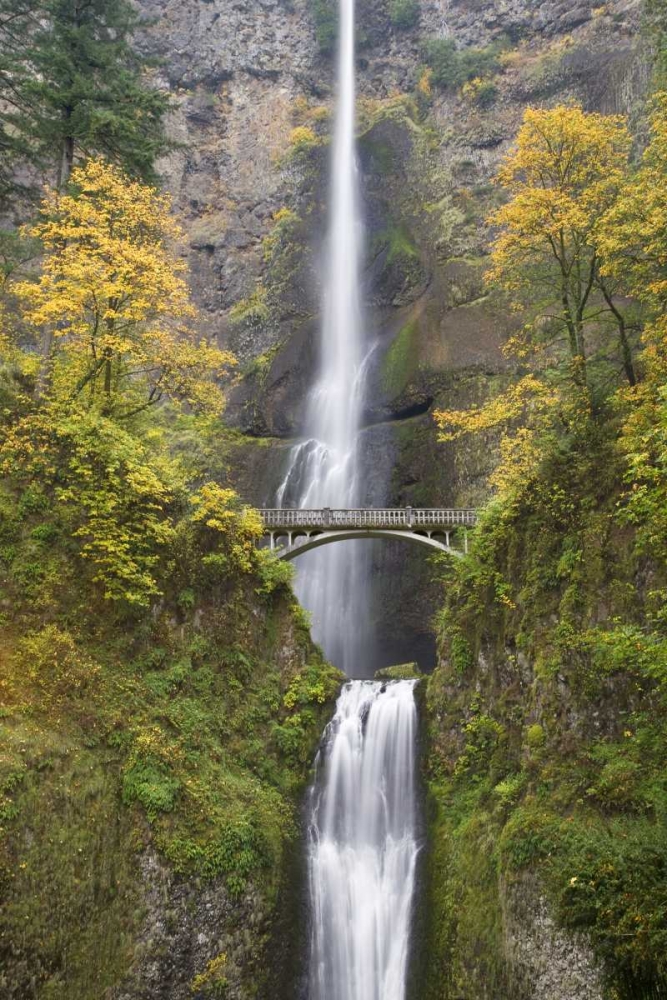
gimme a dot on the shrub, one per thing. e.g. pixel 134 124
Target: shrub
pixel 325 14
pixel 481 92
pixel 302 138
pixel 453 67
pixel 404 13
pixel 441 56
pixel 535 737
pixel 213 982
pixel 148 774
pixel 56 665
pixel 253 311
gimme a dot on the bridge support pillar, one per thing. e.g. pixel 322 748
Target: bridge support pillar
pixel 272 540
pixel 465 541
pixel 447 538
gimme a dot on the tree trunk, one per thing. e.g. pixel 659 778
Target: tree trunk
pixel 626 350
pixel 66 161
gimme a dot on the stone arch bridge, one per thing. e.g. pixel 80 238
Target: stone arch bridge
pixel 293 532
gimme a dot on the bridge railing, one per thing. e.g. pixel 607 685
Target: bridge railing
pixel 370 517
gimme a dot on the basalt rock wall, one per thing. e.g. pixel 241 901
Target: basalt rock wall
pixel 252 107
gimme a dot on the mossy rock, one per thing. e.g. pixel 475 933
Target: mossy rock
pixel 400 672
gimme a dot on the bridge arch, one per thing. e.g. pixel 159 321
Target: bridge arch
pixel 306 543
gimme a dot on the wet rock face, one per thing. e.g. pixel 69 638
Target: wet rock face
pixel 234 71
pixel 545 963
pixel 189 929
pixel 239 72
pixel 243 75
pixel 208 42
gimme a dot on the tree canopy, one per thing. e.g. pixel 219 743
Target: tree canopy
pixel 112 291
pixel 72 85
pixel 562 176
pixel 103 332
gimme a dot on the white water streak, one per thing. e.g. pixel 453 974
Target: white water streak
pixel 363 848
pixel 324 469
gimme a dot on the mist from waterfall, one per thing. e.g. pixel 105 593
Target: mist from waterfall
pixel 323 469
pixel 362 849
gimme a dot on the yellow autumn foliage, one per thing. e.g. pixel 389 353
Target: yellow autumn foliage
pixel 231 525
pixel 112 293
pixel 561 177
pixel 520 415
pixel 633 235
pixel 509 406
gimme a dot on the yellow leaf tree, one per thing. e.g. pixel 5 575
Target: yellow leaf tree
pixel 561 177
pixel 633 235
pixel 633 241
pixel 113 299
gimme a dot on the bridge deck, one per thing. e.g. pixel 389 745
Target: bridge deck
pixel 330 519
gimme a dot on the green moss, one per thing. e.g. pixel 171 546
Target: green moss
pixel 462 925
pixel 253 310
pixel 167 729
pixel 535 736
pixel 576 797
pixel 381 154
pixel 400 361
pixel 399 244
pixel 401 672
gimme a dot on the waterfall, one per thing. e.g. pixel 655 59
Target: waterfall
pixel 362 849
pixel 323 469
pixel 362 845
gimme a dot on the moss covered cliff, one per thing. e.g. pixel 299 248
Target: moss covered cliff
pixel 546 736
pixel 151 773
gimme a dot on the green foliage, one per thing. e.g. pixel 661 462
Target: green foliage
pixel 460 652
pixel 111 494
pixel 535 736
pixel 404 13
pixel 152 787
pixel 483 741
pixel 73 85
pixel 582 811
pixel 452 67
pixel 482 93
pixel 655 24
pixel 200 741
pixel 325 14
pixel 400 361
pixel 253 310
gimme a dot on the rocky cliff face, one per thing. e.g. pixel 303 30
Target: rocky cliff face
pixel 252 103
pixel 253 100
pixel 151 815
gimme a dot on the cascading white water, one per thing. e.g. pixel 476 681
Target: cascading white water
pixel 362 850
pixel 323 470
pixel 362 847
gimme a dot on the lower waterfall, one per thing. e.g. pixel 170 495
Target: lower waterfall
pixel 363 845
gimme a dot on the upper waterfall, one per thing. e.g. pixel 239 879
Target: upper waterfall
pixel 324 468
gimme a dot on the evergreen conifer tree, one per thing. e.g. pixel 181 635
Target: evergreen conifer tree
pixel 72 84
